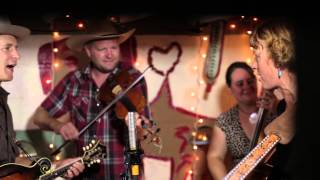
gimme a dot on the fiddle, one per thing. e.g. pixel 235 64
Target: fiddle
pixel 111 94
pixel 132 101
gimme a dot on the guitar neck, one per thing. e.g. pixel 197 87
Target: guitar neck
pixel 242 169
pixel 58 172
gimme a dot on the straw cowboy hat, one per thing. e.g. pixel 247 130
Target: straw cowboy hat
pixel 102 31
pixel 7 28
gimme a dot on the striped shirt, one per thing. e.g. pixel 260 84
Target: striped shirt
pixel 77 93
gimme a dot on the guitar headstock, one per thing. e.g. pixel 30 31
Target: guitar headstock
pixel 93 153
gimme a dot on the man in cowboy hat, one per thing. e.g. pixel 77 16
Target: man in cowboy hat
pixel 75 100
pixel 9 57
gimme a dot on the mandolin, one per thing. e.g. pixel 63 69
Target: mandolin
pixel 42 169
pixel 280 130
pixel 257 155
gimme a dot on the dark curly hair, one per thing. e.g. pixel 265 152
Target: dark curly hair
pixel 232 67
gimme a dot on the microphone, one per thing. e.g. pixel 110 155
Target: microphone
pixel 132 131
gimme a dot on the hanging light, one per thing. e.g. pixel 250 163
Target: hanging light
pixel 80 25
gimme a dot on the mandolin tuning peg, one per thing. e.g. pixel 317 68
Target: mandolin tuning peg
pixel 90 145
pixel 93 141
pixel 87 147
pixel 83 148
pixel 98 161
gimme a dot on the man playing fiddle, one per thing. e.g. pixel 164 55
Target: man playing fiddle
pixel 75 98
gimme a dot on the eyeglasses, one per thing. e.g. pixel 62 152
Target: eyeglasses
pixel 250 82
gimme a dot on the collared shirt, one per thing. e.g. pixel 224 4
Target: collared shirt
pixel 77 93
pixel 8 148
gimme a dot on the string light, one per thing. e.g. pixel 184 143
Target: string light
pixel 197 158
pixel 67 16
pixel 113 19
pixel 195 67
pixel 51 146
pixel 57 157
pixel 48 81
pixel 248 60
pixel 255 19
pixel 56 34
pixel 232 26
pixel 80 25
pixel 194 133
pixel 55 50
pixel 56 64
pixel 204 138
pixel 249 32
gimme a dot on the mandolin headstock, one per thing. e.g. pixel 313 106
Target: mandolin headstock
pixel 94 152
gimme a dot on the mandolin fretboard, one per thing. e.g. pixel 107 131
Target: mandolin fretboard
pixel 248 163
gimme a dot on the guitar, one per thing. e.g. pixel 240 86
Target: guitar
pixel 41 170
pixel 250 161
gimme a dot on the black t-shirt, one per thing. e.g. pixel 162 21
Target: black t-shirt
pixel 282 157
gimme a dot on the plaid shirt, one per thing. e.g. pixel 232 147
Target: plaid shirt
pixel 77 93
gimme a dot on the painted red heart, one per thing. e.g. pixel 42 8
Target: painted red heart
pixel 164 51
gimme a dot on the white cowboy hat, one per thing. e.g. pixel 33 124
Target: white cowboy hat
pixel 6 28
pixel 105 31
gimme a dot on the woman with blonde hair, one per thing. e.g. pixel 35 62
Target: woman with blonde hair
pixel 274 50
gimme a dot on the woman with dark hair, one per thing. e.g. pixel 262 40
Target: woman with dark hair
pixel 233 131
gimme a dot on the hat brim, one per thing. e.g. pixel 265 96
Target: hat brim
pixel 18 31
pixel 77 42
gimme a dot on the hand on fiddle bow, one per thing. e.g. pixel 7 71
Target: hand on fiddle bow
pixel 142 123
pixel 67 130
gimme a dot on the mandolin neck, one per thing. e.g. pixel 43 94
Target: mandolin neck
pixel 59 171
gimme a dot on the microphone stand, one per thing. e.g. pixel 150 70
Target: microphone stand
pixel 116 99
pixel 133 153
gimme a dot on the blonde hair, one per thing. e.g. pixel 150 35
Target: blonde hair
pixel 279 38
